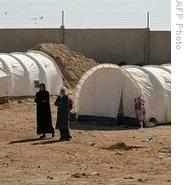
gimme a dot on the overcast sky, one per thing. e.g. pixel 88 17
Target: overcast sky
pixel 85 13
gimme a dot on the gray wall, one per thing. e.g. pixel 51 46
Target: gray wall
pixel 160 47
pixel 103 45
pixel 24 39
pixel 108 45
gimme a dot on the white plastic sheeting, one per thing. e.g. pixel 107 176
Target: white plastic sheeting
pixel 140 85
pixel 19 81
pixel 32 72
pixel 151 89
pixel 49 72
pixel 106 87
pixel 26 68
pixel 167 66
pixel 164 78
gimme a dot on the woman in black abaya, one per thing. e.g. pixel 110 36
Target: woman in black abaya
pixel 44 120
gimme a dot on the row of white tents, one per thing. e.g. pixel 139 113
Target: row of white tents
pixel 19 72
pixel 100 93
pixel 105 88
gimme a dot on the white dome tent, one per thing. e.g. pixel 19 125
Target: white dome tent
pixel 105 88
pixel 152 91
pixel 139 86
pixel 25 69
pixel 49 71
pixel 31 70
pixel 4 83
pixel 164 78
pixel 167 66
pixel 19 82
pixel 98 93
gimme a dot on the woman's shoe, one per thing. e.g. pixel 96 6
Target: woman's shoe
pixel 68 138
pixel 62 138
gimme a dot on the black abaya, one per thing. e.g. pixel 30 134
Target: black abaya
pixel 44 120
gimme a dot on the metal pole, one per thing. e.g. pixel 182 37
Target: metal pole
pixel 63 18
pixel 148 20
pixel 148 40
pixel 63 28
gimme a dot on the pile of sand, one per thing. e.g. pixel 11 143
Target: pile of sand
pixel 121 146
pixel 71 63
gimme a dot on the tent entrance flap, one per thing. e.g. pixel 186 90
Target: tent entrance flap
pixel 125 120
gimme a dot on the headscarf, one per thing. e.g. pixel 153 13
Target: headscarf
pixel 42 84
pixel 63 91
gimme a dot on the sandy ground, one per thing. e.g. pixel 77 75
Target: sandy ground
pixel 89 158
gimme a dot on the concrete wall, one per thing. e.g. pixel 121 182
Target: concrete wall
pixel 160 47
pixel 24 39
pixel 108 45
pixel 103 45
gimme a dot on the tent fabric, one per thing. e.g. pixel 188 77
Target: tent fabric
pixel 152 91
pixel 25 69
pixel 4 80
pixel 16 71
pixel 51 73
pixel 167 67
pixel 164 78
pixel 31 71
pixel 129 95
pixel 104 89
pixel 93 101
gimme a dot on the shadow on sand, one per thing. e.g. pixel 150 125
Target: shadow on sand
pixel 27 140
pixel 47 142
pixel 95 126
pixel 100 127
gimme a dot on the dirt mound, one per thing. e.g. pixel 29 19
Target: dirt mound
pixel 71 63
pixel 121 146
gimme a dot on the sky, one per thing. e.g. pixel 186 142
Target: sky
pixel 85 13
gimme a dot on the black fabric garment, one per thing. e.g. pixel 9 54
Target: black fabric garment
pixel 62 123
pixel 44 120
